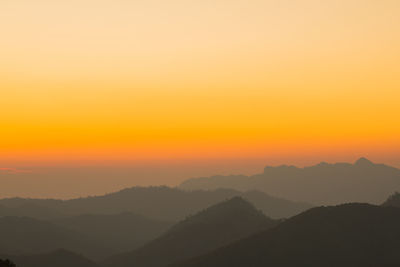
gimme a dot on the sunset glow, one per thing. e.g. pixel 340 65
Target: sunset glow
pixel 155 80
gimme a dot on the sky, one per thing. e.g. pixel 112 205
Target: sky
pixel 201 83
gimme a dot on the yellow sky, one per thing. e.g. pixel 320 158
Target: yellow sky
pixel 148 80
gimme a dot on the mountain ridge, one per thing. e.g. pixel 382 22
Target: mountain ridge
pixel 354 234
pixel 211 228
pixel 161 203
pixel 320 184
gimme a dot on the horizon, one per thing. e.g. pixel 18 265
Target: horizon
pixel 70 182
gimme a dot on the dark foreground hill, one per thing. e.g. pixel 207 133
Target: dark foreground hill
pixel 214 227
pixel 345 235
pixel 162 203
pixel 58 258
pixel 121 232
pixel 322 184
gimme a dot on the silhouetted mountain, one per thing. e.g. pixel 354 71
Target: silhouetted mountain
pixel 162 203
pixel 324 183
pixel 345 235
pixel 22 235
pixel 121 232
pixel 393 200
pixel 214 227
pixel 58 258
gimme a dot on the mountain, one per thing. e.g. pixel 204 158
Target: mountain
pixel 393 201
pixel 29 208
pixel 161 203
pixel 274 207
pixel 59 258
pixel 22 235
pixel 214 227
pixel 322 184
pixel 121 232
pixel 345 235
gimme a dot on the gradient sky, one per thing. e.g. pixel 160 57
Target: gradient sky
pixel 148 81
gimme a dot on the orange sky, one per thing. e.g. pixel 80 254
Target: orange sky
pixel 145 81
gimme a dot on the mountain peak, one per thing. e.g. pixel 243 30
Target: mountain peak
pixel 212 228
pixel 236 200
pixel 234 208
pixel 363 162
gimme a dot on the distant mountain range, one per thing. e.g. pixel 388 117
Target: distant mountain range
pixel 212 228
pixel 322 184
pixel 161 203
pixel 345 235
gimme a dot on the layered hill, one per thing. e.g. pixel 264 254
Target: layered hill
pixel 345 235
pixel 161 203
pixel 322 184
pixel 33 208
pixel 22 236
pixel 121 232
pixel 214 227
